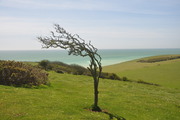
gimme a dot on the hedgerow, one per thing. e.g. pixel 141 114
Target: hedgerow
pixel 159 59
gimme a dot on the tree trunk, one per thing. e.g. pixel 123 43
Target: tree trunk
pixel 95 93
pixel 95 106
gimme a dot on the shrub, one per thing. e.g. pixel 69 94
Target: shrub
pixel 143 82
pixel 19 74
pixel 78 70
pixel 112 76
pixel 44 64
pixel 125 79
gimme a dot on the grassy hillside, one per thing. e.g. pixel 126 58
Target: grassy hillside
pixel 70 94
pixel 164 73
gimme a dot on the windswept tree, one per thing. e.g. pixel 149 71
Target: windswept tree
pixel 76 46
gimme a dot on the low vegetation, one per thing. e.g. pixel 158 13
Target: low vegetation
pixel 74 69
pixel 19 74
pixel 159 58
pixel 61 67
pixel 27 75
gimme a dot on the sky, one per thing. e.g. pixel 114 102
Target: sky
pixel 108 24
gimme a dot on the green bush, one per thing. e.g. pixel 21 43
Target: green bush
pixel 44 64
pixel 19 74
pixel 78 70
pixel 125 79
pixel 111 76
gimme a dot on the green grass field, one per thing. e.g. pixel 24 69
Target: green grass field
pixel 68 95
pixel 164 73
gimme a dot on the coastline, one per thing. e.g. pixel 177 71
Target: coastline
pixel 109 56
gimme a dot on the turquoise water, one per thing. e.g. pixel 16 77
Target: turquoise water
pixel 108 56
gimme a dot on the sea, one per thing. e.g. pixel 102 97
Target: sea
pixel 109 56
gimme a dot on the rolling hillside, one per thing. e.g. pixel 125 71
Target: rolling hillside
pixel 69 95
pixel 165 73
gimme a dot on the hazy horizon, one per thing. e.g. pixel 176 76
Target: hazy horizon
pixel 98 49
pixel 109 56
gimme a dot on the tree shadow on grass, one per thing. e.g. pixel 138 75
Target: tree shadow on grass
pixel 112 116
